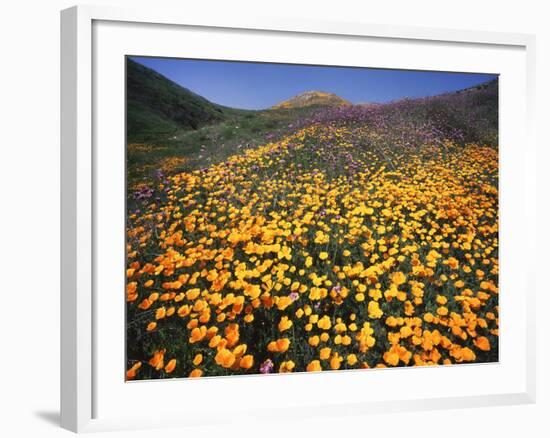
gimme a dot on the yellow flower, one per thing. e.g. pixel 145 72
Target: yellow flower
pixel 468 355
pixel 279 346
pixel 285 253
pixel 452 263
pixel 184 310
pixel 197 360
pixel 324 323
pixel 145 304
pixel 232 334
pixel 131 373
pixel 482 343
pixel 284 324
pixel 247 362
pixel 313 341
pixel 336 361
pixel 405 331
pixel 215 341
pixel 314 365
pixel 239 350
pixel 283 302
pixel 374 310
pixel 398 278
pixel 428 317
pixel 287 366
pixel 351 359
pixel 324 353
pixel 195 373
pixel 170 366
pixel 282 345
pixel 225 358
pixel 391 358
pixel 192 294
pixel 197 334
pixel 323 255
pixel 160 313
pixel 157 361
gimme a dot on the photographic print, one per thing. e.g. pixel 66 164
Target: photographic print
pixel 293 218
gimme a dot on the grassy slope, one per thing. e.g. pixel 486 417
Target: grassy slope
pixel 170 127
pixel 211 143
pixel 160 107
pixel 474 112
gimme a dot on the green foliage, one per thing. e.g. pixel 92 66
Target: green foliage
pixel 158 106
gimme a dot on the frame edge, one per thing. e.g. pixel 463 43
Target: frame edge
pixel 76 328
pixel 531 140
pixel 76 188
pixel 69 358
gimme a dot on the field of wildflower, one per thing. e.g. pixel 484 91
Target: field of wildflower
pixel 364 237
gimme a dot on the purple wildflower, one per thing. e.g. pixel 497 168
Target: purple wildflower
pixel 266 367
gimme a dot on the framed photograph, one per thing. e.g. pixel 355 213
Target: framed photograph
pixel 313 218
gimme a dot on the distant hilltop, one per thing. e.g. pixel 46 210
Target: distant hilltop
pixel 312 98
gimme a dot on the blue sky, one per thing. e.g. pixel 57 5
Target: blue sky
pixel 257 85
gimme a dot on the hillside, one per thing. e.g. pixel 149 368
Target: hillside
pixel 156 106
pixel 467 115
pixel 471 112
pixel 312 98
pixel 360 237
pixel 176 130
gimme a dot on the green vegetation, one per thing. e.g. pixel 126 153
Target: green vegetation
pixel 187 131
pixel 158 106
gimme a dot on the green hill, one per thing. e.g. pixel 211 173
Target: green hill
pixel 156 106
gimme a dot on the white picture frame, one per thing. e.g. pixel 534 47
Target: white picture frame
pixel 81 364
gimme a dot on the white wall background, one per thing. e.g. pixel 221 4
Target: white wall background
pixel 29 218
